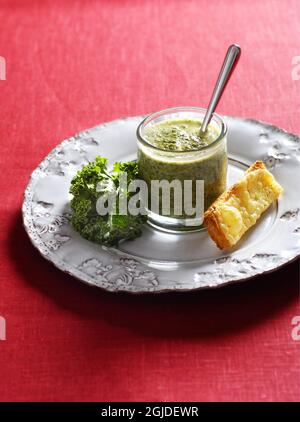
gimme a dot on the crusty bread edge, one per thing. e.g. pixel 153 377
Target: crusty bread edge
pixel 211 220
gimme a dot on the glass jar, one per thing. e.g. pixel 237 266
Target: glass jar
pixel 206 163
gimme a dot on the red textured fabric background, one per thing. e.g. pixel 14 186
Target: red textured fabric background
pixel 70 66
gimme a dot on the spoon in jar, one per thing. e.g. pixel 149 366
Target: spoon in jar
pixel 230 61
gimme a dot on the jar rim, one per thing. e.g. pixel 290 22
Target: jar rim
pixel 171 110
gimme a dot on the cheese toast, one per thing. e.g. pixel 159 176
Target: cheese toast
pixel 240 206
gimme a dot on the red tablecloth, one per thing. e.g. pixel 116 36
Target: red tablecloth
pixel 71 65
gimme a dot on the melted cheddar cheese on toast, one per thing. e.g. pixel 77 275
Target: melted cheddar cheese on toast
pixel 239 207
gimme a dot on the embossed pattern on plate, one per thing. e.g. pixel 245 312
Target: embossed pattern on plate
pixel 182 262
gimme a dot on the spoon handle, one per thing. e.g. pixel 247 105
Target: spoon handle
pixel 230 61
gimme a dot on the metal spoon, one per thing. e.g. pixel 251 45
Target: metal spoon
pixel 230 61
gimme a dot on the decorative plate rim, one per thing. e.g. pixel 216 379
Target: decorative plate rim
pixel 61 265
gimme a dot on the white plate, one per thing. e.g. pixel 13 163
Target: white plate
pixel 159 261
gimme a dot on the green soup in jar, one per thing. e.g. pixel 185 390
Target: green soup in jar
pixel 173 150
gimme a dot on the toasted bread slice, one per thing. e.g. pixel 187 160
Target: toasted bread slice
pixel 240 206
